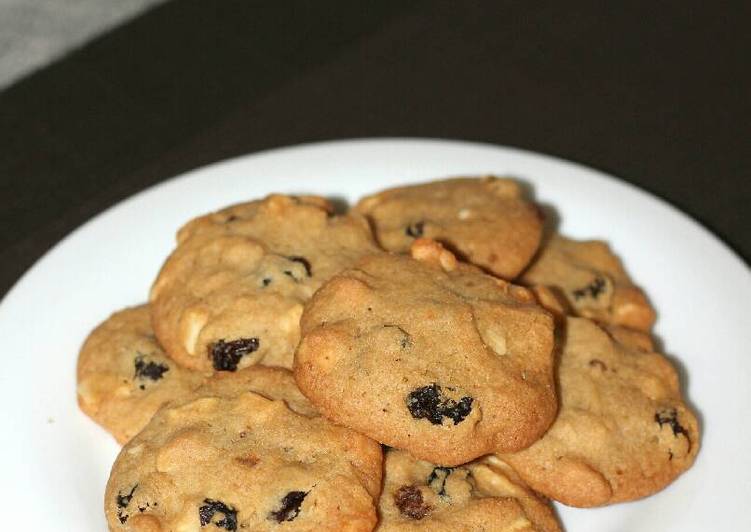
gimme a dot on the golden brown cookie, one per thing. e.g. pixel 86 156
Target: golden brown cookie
pixel 622 432
pixel 230 460
pixel 482 495
pixel 232 292
pixel 430 355
pixel 591 281
pixel 124 376
pixel 486 221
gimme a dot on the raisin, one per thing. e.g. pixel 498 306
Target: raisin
pixel 230 218
pixel 124 500
pixel 266 281
pixel 458 411
pixel 290 507
pixel 424 403
pixel 437 479
pixel 597 363
pixel 304 262
pixel 593 289
pixel 670 416
pixel 416 229
pixel 207 512
pixel 149 370
pixel 428 402
pixel 226 355
pixel 409 501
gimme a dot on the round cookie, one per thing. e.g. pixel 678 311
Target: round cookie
pixel 483 495
pixel 486 221
pixel 429 355
pixel 591 281
pixel 124 376
pixel 622 432
pixel 232 292
pixel 225 459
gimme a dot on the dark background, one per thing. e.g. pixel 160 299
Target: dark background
pixel 654 92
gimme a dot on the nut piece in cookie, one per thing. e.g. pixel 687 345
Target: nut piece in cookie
pixel 482 495
pixel 124 377
pixel 486 220
pixel 232 292
pixel 623 431
pixel 228 459
pixel 430 355
pixel 592 282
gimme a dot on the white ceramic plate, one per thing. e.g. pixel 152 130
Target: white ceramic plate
pixel 55 462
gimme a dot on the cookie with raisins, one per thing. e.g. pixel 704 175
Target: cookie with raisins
pixel 623 431
pixel 592 282
pixel 231 293
pixel 482 495
pixel 486 221
pixel 227 459
pixel 124 376
pixel 426 354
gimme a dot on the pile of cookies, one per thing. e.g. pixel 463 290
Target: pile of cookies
pixel 433 359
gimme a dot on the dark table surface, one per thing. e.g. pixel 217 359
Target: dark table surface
pixel 657 93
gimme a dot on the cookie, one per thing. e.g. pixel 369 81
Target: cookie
pixel 426 354
pixel 591 281
pixel 226 459
pixel 622 433
pixel 483 495
pixel 485 221
pixel 232 292
pixel 124 376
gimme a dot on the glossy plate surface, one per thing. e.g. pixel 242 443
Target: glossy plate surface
pixel 55 462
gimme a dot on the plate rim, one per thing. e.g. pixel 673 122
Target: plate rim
pixel 651 200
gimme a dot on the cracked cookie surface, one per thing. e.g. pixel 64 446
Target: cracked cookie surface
pixel 124 376
pixel 482 495
pixel 232 292
pixel 622 432
pixel 486 220
pixel 430 355
pixel 591 281
pixel 225 458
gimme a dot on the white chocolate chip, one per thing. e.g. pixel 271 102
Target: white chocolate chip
pixel 135 449
pixel 428 250
pixel 495 340
pixel 520 524
pixel 447 260
pixel 494 481
pixel 192 323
